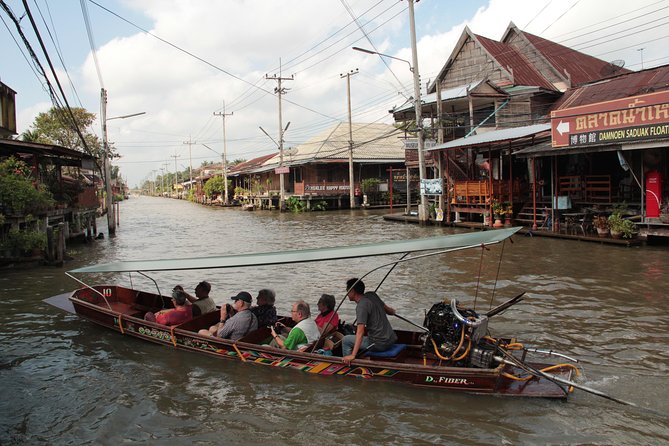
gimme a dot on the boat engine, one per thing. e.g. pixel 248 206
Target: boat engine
pixel 446 322
pixel 445 329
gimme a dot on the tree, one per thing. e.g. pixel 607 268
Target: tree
pixel 215 185
pixel 56 127
pixel 30 136
pixel 237 161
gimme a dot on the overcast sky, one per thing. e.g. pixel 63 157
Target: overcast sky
pixel 180 61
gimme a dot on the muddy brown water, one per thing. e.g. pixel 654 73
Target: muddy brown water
pixel 66 381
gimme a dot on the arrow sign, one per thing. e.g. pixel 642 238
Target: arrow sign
pixel 563 127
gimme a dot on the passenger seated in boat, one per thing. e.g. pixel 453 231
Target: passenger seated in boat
pixel 237 326
pixel 265 310
pixel 327 319
pixel 371 314
pixel 202 303
pixel 174 316
pixel 302 334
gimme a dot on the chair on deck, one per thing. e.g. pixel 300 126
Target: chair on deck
pixel 584 224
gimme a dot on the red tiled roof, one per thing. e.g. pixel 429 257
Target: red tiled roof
pixel 523 71
pixel 622 86
pixel 252 163
pixel 581 67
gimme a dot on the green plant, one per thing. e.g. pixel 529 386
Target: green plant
pixel 369 184
pixel 497 208
pixel 295 205
pixel 618 224
pixel 320 206
pixel 239 191
pixel 17 191
pixel 19 241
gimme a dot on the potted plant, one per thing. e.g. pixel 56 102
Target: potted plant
pixel 601 223
pixel 498 211
pixel 508 213
pixel 621 227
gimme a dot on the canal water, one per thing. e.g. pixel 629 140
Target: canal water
pixel 67 381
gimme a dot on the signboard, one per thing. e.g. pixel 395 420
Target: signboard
pixel 280 170
pixel 635 118
pixel 412 143
pixel 431 186
pixel 326 187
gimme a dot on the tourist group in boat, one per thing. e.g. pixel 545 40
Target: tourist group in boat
pixel 372 331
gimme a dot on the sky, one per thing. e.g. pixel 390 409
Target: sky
pixel 182 61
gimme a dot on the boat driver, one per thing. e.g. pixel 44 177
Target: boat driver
pixel 371 315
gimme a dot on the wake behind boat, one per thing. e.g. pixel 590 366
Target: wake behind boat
pixel 454 349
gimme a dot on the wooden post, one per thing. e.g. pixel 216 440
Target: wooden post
pixel 49 244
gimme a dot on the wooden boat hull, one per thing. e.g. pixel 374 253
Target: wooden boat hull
pixel 122 310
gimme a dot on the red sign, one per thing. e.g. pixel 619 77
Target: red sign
pixel 280 170
pixel 629 119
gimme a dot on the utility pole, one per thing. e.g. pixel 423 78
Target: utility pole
pixel 111 221
pixel 350 136
pixel 162 181
pixel 422 206
pixel 190 161
pixel 280 91
pixel 225 153
pixel 176 174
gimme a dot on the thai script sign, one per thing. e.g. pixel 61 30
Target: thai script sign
pixel 634 118
pixel 280 170
pixel 412 143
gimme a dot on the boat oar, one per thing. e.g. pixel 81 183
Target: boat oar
pixel 408 321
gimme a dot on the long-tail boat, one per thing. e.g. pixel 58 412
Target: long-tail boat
pixel 453 349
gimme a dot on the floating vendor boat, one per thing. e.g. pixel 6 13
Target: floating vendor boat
pixel 453 350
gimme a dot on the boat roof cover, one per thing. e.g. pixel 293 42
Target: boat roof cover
pixel 471 239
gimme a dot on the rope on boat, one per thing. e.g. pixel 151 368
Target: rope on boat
pixel 478 279
pixel 239 352
pixel 499 266
pixel 120 323
pixel 174 338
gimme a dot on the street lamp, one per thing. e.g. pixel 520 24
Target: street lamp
pixel 422 207
pixel 111 221
pixel 364 50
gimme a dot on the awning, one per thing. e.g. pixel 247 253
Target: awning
pixel 495 137
pixel 546 148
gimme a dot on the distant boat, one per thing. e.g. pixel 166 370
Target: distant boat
pixel 452 351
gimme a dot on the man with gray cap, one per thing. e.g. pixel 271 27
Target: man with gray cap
pixel 238 325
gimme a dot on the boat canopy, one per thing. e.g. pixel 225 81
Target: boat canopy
pixel 471 239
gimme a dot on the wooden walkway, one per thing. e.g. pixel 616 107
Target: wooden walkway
pixel 525 230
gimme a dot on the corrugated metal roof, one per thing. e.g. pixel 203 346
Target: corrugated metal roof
pixel 511 60
pixel 371 142
pixel 580 67
pixel 622 86
pixel 507 134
